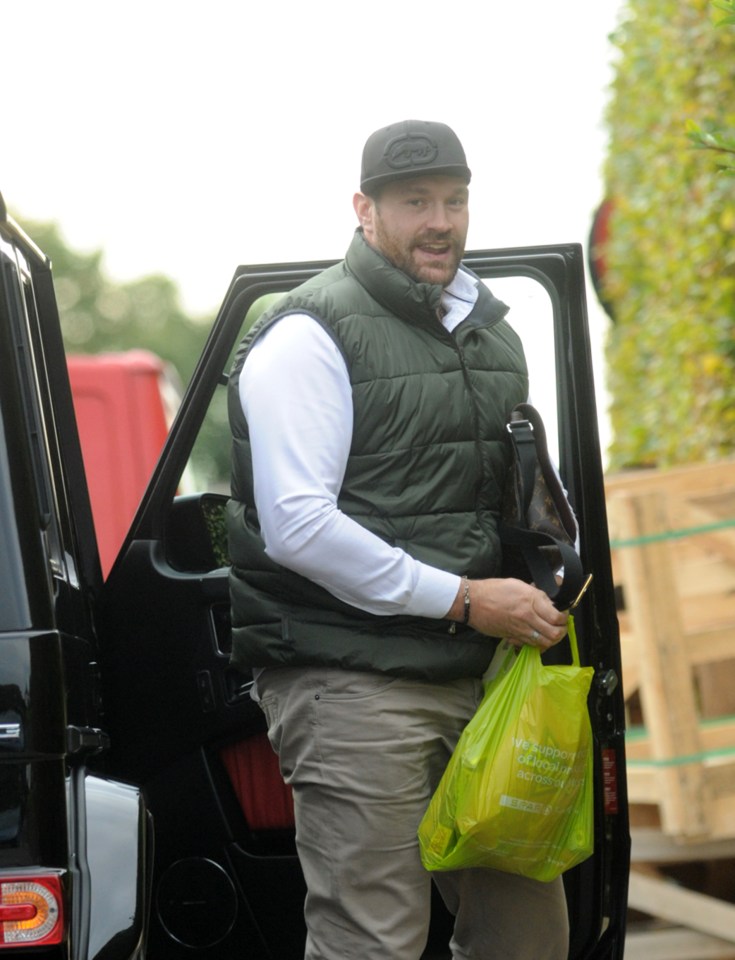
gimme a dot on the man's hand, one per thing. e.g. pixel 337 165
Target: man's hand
pixel 512 610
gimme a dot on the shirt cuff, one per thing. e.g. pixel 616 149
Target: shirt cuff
pixel 433 594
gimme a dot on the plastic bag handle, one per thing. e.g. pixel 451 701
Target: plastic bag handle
pixel 511 656
pixel 572 631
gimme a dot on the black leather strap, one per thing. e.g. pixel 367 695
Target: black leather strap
pixel 528 435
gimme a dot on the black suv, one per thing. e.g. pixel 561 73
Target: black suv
pixel 141 813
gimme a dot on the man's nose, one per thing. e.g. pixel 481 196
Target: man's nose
pixel 439 218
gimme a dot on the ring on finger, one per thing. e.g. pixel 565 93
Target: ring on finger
pixel 535 636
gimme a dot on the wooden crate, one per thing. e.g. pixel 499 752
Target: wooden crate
pixel 673 538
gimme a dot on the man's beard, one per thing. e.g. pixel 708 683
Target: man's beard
pixel 402 254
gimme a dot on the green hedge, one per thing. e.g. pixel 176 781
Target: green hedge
pixel 670 256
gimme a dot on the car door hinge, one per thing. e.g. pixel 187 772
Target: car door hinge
pixel 607 683
pixel 85 741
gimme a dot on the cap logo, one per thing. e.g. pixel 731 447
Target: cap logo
pixel 412 150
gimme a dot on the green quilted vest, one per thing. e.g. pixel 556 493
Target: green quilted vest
pixel 425 470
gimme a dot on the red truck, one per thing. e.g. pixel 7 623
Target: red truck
pixel 124 405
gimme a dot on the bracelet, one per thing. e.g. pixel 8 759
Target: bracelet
pixel 466 583
pixel 466 609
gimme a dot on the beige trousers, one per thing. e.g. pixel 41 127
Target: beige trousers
pixel 364 753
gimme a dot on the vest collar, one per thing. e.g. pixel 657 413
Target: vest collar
pixel 404 297
pixel 392 288
pixel 488 310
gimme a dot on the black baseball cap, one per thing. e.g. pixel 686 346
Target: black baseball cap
pixel 411 148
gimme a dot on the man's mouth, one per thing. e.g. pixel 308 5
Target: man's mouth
pixel 435 249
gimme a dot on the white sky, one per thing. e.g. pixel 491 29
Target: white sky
pixel 184 138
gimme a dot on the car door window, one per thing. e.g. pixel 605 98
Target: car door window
pixel 27 351
pixel 531 315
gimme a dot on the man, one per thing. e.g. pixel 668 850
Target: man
pixel 368 411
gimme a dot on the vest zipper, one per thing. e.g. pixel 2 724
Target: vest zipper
pixel 475 418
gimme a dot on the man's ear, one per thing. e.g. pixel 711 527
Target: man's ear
pixel 364 207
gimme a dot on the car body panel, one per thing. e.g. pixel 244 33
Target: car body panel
pixel 49 671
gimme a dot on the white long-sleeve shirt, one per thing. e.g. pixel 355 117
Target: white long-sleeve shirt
pixel 297 398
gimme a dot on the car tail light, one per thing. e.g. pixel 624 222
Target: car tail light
pixel 31 911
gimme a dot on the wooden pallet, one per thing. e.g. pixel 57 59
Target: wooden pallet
pixel 673 540
pixel 673 536
pixel 684 923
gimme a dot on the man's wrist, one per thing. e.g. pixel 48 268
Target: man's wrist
pixel 461 608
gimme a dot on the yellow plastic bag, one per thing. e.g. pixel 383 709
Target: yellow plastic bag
pixel 517 792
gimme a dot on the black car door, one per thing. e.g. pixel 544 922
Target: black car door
pixel 181 721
